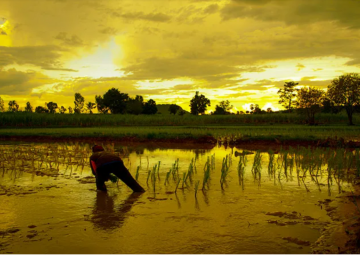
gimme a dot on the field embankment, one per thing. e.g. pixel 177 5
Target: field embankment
pixel 266 129
pixel 43 120
pixel 230 135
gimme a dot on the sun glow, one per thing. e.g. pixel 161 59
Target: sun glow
pixel 98 64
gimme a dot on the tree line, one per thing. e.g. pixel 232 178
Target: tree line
pixel 342 93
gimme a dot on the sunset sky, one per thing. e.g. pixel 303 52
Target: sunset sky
pixel 237 50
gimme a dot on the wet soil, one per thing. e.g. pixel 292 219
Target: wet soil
pixel 342 235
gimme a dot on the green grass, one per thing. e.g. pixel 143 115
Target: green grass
pixel 23 120
pixel 280 132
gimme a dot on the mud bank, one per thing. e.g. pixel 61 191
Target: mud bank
pixel 203 141
pixel 342 235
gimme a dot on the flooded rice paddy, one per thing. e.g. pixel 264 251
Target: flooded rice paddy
pixel 197 200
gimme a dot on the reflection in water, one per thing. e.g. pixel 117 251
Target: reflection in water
pixel 106 216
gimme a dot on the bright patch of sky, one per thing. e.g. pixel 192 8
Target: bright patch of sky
pixel 98 64
pixel 289 69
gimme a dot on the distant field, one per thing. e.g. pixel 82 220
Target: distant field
pixel 281 132
pixel 36 120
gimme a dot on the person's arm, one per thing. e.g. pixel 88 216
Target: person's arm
pixel 93 167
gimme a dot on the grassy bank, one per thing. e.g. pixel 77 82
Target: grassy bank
pixel 41 120
pixel 283 132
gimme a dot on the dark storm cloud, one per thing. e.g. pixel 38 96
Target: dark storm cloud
pixel 304 81
pixel 60 69
pixel 46 57
pixel 155 17
pixel 187 65
pixel 171 68
pixel 184 87
pixel 211 9
pixel 108 31
pixel 73 40
pixel 13 82
pixel 292 12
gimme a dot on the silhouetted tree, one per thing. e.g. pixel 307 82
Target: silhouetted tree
pixel 288 95
pixel 182 112
pixel 90 106
pixel 255 109
pixel 101 107
pixel 115 101
pixel 344 91
pixel 269 110
pixel 70 110
pixel 28 107
pixel 13 106
pixel 309 100
pixel 174 108
pixel 326 105
pixel 223 108
pixel 199 104
pixel 150 107
pixel 52 107
pixel 62 109
pixel 2 105
pixel 135 105
pixel 40 109
pixel 79 103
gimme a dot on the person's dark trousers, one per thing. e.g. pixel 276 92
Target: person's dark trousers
pixel 121 172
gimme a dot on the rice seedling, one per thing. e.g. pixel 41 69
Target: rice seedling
pixel 212 162
pixel 158 170
pixel 185 176
pixel 177 184
pixel 153 177
pixel 241 170
pixel 225 170
pixel 197 183
pixel 271 164
pixel 191 170
pixel 256 168
pixel 137 173
pixel 148 176
pixel 167 176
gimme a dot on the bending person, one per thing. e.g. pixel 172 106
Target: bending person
pixel 103 163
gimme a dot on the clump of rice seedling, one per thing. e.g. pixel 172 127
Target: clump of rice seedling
pixel 175 171
pixel 113 178
pixel 225 170
pixel 256 168
pixel 167 176
pixel 271 165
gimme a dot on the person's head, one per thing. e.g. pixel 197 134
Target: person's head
pixel 97 148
